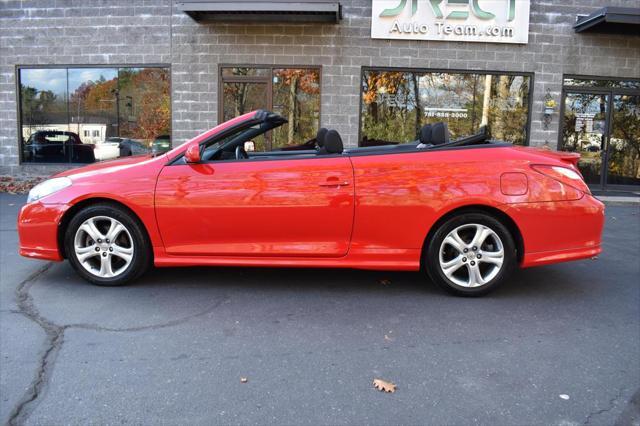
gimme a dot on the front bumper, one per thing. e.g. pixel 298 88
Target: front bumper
pixel 38 230
pixel 559 231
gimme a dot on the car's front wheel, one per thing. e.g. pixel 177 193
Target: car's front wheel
pixel 470 254
pixel 106 245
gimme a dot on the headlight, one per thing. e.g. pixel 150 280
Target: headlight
pixel 48 187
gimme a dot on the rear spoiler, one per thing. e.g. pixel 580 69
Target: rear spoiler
pixel 566 157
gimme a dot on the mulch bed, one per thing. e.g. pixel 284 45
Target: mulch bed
pixel 18 186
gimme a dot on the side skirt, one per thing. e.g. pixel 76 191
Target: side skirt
pixel 383 260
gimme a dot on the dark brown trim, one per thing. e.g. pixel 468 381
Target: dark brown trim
pixel 613 20
pixel 621 90
pixel 531 76
pixel 296 11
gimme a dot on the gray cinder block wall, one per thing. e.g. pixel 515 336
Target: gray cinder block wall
pixel 80 32
pixel 72 32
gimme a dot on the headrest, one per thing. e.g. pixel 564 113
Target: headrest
pixel 439 133
pixel 333 143
pixel 425 134
pixel 320 136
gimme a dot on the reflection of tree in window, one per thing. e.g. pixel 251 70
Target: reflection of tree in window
pixel 450 98
pixel 581 108
pixel 296 97
pixel 509 106
pixel 291 92
pixel 93 102
pixel 147 91
pixel 240 98
pixel 43 100
pixel 39 107
pixel 97 103
pixel 389 105
pixel 395 105
pixel 624 153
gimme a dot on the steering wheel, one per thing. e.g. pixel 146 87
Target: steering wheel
pixel 241 154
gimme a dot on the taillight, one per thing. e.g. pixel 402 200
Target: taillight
pixel 563 175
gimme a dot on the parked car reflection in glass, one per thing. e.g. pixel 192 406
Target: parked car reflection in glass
pixel 55 146
pixel 129 147
pixel 106 150
pixel 161 144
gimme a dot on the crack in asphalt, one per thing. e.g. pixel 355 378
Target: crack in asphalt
pixel 631 414
pixel 55 338
pixel 611 406
pixel 95 327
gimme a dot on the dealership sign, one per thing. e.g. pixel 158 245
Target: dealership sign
pixel 489 21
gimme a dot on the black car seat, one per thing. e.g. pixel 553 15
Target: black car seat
pixel 332 143
pixel 439 133
pixel 322 133
pixel 425 134
pixel 424 138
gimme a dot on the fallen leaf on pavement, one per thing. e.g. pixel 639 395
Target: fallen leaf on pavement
pixel 388 338
pixel 243 380
pixel 564 396
pixel 384 282
pixel 384 386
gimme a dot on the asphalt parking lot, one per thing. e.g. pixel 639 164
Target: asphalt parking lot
pixel 557 345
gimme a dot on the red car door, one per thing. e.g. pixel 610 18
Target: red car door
pixel 257 207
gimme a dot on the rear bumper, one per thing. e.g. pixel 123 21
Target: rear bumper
pixel 38 230
pixel 559 231
pixel 549 257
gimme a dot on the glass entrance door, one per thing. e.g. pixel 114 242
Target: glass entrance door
pixel 623 155
pixel 601 122
pixel 584 130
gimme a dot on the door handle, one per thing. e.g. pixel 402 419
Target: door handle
pixel 334 181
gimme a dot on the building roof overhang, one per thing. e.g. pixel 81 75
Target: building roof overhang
pixel 294 11
pixel 611 20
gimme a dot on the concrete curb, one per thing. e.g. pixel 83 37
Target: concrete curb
pixel 619 201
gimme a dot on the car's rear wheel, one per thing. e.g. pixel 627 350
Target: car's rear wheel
pixel 470 254
pixel 106 245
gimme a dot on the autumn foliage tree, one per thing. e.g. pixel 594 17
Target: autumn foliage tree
pixel 150 87
pixel 140 96
pixel 390 106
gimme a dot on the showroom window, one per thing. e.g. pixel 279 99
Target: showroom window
pixel 293 93
pixel 88 114
pixel 396 103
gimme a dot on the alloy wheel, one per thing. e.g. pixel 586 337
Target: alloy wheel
pixel 103 246
pixel 471 255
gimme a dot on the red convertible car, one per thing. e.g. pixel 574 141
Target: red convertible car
pixel 467 212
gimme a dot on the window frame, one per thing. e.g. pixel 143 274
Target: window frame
pixel 20 67
pixel 531 75
pixel 587 88
pixel 268 80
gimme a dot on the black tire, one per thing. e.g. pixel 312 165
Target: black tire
pixel 141 259
pixel 431 258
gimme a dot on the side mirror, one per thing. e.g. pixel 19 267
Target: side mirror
pixel 192 154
